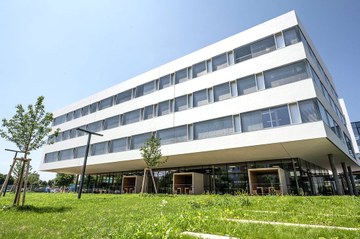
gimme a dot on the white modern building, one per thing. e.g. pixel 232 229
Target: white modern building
pixel 261 100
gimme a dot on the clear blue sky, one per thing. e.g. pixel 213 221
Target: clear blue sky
pixel 67 50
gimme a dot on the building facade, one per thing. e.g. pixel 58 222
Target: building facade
pixel 255 112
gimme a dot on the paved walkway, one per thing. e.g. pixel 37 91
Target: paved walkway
pixel 292 224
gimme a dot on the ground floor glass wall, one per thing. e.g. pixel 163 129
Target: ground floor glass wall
pixel 301 177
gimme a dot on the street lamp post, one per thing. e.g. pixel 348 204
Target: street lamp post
pixel 86 156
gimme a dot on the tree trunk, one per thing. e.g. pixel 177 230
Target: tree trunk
pixel 26 181
pixel 153 180
pixel 144 180
pixel 19 185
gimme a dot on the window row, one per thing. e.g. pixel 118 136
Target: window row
pixel 333 105
pixel 312 54
pixel 268 79
pixel 329 121
pixel 260 47
pixel 295 113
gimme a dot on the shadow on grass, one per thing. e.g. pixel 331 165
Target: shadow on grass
pixel 30 208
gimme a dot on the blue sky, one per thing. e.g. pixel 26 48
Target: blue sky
pixel 67 50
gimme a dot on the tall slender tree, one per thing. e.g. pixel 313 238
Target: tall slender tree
pixel 27 129
pixel 151 153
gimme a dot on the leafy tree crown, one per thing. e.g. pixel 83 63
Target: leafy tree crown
pixel 63 179
pixel 151 152
pixel 27 129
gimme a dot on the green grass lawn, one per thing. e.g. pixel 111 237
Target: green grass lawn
pixel 166 216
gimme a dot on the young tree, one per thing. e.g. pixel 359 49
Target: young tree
pixel 63 180
pixel 27 129
pixel 51 182
pixel 33 179
pixel 151 153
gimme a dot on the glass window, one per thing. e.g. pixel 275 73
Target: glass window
pixel 280 116
pixel 251 121
pixel 316 78
pixel 85 110
pixel 242 53
pixel 280 43
pixel 148 112
pixel 80 152
pixel 58 138
pixel 331 120
pixel 295 113
pixel 285 74
pixel 292 36
pixel 263 46
pixel 190 100
pixel 164 108
pixel 51 157
pixel 112 122
pixel 199 69
pixel 131 117
pixel 219 62
pixel 106 103
pixel 123 96
pixel 231 58
pixel 95 127
pixel 60 119
pixel 349 146
pixel 200 98
pixel 213 128
pixel 172 135
pixel 73 133
pixel 337 131
pixel 69 116
pixel 260 82
pixel 190 72
pixel 181 103
pixel 309 111
pixel 209 66
pixel 65 135
pixel 181 76
pixel 77 113
pixel 233 88
pixel 157 82
pixel 93 107
pixel 81 133
pixel 145 89
pixel 190 132
pixel 171 105
pixel 246 85
pixel 211 95
pixel 237 126
pixel 164 82
pixel 180 134
pixel 66 154
pixel 118 145
pixel 266 118
pixel 221 92
pixel 51 139
pixel 99 148
pixel 138 140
